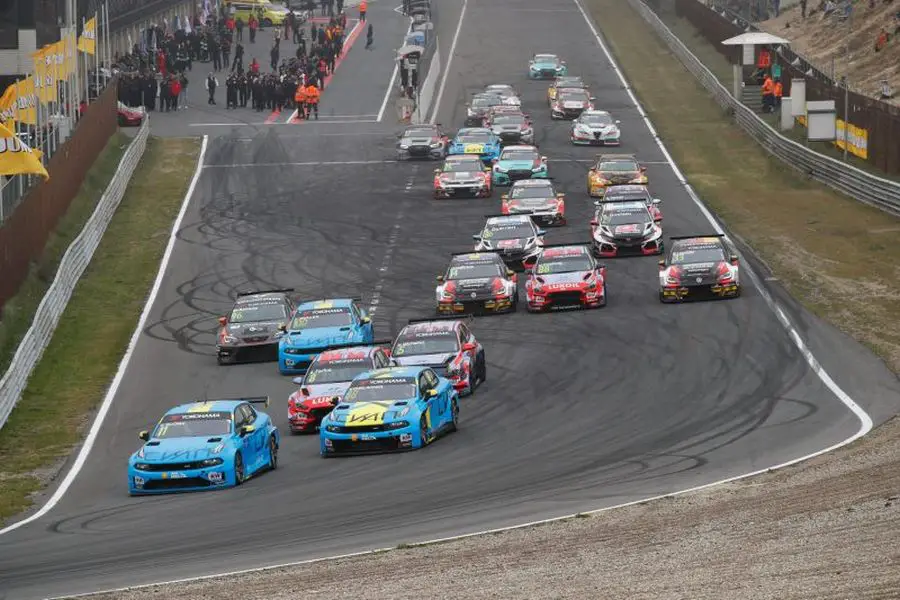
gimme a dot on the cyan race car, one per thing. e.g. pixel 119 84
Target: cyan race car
pixel 476 140
pixel 546 66
pixel 385 410
pixel 519 162
pixel 204 445
pixel 318 325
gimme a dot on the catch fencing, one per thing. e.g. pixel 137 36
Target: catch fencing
pixel 71 267
pixel 856 183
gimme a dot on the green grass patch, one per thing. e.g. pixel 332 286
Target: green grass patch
pixel 820 244
pixel 18 313
pixel 96 326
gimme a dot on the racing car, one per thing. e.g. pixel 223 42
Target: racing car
pixel 546 66
pixel 700 267
pixel 519 162
pixel 570 103
pixel 517 239
pixel 622 227
pixel 511 127
pixel 614 169
pixel 128 116
pixel 252 328
pixel 328 377
pixel 460 175
pixel 317 325
pixel 595 128
pixel 565 276
pixel 617 193
pixel 422 141
pixel 571 82
pixel 507 93
pixel 447 345
pixel 477 282
pixel 479 106
pixel 477 141
pixel 387 410
pixel 536 198
pixel 205 445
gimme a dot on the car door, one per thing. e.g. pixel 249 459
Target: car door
pixel 367 332
pixel 248 446
pixel 258 437
pixel 432 420
pixel 440 402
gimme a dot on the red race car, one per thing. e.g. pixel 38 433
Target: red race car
pixel 327 379
pixel 130 117
pixel 565 276
pixel 462 175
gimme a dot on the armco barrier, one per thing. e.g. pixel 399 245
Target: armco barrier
pixel 856 183
pixel 71 267
pixel 427 89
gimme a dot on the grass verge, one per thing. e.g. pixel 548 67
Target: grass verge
pixel 838 257
pixel 96 326
pixel 18 313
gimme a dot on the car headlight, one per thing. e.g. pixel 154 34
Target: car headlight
pixel 530 242
pixel 527 131
pixel 142 466
pixel 332 428
pixel 539 168
pixel 486 244
pixel 671 280
pixel 229 339
pixel 211 462
pixel 499 169
pixel 583 129
pixel 404 146
pixel 398 425
pixel 436 145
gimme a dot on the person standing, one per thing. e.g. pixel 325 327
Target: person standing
pixel 211 84
pixel 370 37
pixel 254 25
pixel 312 100
pixel 363 7
pixel 184 90
pixel 238 57
pixel 274 55
pixel 239 29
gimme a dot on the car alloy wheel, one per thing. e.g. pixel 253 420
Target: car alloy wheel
pixel 273 454
pixel 423 431
pixel 454 416
pixel 238 469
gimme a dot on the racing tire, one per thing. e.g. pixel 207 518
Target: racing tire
pixel 239 475
pixel 472 381
pixel 273 454
pixel 605 296
pixel 423 432
pixel 454 416
pixel 482 376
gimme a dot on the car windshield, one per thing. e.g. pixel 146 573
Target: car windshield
pixel 254 313
pixel 623 216
pixel 418 132
pixel 509 120
pixel 531 191
pixel 474 138
pixel 463 166
pixel 335 372
pixel 569 81
pixel 596 119
pixel 321 317
pixel 193 425
pixel 443 342
pixel 687 255
pixel 474 271
pixel 511 231
pixel 563 264
pixel 519 155
pixel 380 390
pixel 485 101
pixel 621 166
pixel 546 58
pixel 573 96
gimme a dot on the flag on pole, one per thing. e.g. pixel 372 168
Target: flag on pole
pixel 87 42
pixel 16 158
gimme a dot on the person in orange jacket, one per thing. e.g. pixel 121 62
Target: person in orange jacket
pixel 768 92
pixel 300 99
pixel 363 7
pixel 312 100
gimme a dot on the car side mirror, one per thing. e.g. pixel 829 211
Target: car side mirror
pixel 282 328
pixel 618 121
pixel 246 429
pixel 734 259
pixel 469 346
pixel 591 98
pixel 437 171
pixel 529 270
pixel 440 278
pixel 544 158
pixel 662 265
pixel 541 232
pixel 431 393
pixel 510 273
pixel 365 320
pixel 335 400
pixel 298 381
pixel 223 321
pixel 494 161
pixel 144 435
pixel 643 169
pixel 656 201
pixel 476 237
pixel 504 197
pixel 595 223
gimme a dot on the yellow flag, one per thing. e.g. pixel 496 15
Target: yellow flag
pixel 88 40
pixel 19 102
pixel 18 159
pixel 69 48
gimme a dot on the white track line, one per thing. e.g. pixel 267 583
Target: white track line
pixel 123 365
pixel 291 116
pixel 440 94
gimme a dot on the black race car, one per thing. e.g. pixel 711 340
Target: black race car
pixel 699 267
pixel 477 282
pixel 515 237
pixel 422 141
pixel 252 328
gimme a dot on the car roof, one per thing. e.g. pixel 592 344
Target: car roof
pixel 462 158
pixel 699 241
pixel 615 157
pixel 536 54
pixel 466 130
pixel 475 257
pixel 391 373
pixel 520 147
pixel 325 304
pixel 510 219
pixel 432 326
pixel 559 251
pixel 595 113
pixel 263 297
pixel 204 407
pixel 504 86
pixel 532 183
pixel 631 189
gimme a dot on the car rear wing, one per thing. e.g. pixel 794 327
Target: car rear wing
pixel 491 251
pixel 501 215
pixel 694 237
pixel 617 156
pixel 468 318
pixel 264 400
pixel 255 292
pixel 376 343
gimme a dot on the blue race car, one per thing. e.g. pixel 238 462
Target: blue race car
pixel 317 325
pixel 546 66
pixel 204 445
pixel 476 140
pixel 519 162
pixel 385 410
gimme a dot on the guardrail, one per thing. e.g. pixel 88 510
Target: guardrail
pixel 856 183
pixel 71 267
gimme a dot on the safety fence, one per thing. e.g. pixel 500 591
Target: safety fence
pixel 71 267
pixel 872 190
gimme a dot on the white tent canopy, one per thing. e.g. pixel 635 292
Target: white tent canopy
pixel 756 38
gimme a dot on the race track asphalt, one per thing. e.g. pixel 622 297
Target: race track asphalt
pixel 581 409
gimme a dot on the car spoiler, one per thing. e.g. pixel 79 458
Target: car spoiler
pixel 468 318
pixel 699 235
pixel 376 343
pixel 495 216
pixel 618 156
pixel 255 292
pixel 569 245
pixel 618 201
pixel 264 400
pixel 475 252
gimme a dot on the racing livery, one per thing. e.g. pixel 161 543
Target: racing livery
pixel 595 128
pixel 477 141
pixel 510 127
pixel 253 327
pixel 477 282
pixel 519 162
pixel 317 325
pixel 462 175
pixel 447 345
pixel 386 410
pixel 546 66
pixel 565 276
pixel 699 268
pixel 507 93
pixel 205 445
pixel 327 378
pixel 537 198
pixel 564 82
pixel 515 237
pixel 618 193
pixel 614 169
pixel 422 141
pixel 625 227
pixel 479 107
pixel 570 103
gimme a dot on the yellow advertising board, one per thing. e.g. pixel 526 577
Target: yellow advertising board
pixel 857 138
pixel 87 42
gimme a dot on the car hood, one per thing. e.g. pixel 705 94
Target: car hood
pixel 266 329
pixel 466 286
pixel 573 103
pixel 416 141
pixel 424 359
pixel 544 65
pixel 317 337
pixel 321 395
pixel 513 244
pixel 498 129
pixel 596 126
pixel 363 414
pixel 532 203
pixel 516 164
pixel 182 449
pixel 620 175
pixel 461 175
pixel 564 278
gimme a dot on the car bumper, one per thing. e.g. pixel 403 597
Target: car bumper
pixel 454 192
pixel 266 350
pixel 426 153
pixel 544 218
pixel 195 480
pixel 507 178
pixel 545 73
pixel 477 306
pixel 612 248
pixel 592 140
pixel 566 300
pixel 699 292
pixel 378 442
pixel 289 364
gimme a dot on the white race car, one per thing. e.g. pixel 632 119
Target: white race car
pixel 595 128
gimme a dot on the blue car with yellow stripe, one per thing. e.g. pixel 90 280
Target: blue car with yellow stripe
pixel 205 445
pixel 316 326
pixel 388 410
pixel 476 140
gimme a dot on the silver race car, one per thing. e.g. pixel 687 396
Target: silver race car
pixel 478 108
pixel 507 93
pixel 422 141
pixel 511 127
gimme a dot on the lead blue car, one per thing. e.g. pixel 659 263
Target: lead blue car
pixel 392 409
pixel 476 140
pixel 317 325
pixel 547 66
pixel 211 444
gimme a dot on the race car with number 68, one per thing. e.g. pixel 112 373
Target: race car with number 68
pixel 565 276
pixel 699 268
pixel 477 282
